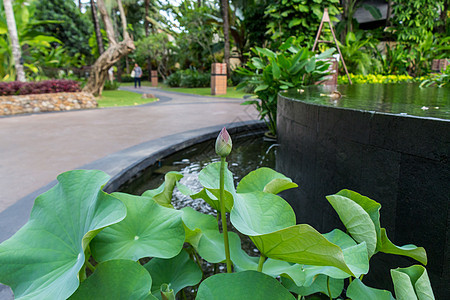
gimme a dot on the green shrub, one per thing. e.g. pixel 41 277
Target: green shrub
pixel 126 78
pixel 189 78
pixel 377 78
pixel 111 86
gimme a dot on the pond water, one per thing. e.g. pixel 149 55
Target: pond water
pixel 248 153
pixel 401 98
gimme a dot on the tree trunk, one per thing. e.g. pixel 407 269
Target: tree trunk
pixel 98 33
pixel 388 13
pixel 99 71
pixel 79 5
pixel 226 34
pixel 12 29
pixel 146 22
pixel 113 54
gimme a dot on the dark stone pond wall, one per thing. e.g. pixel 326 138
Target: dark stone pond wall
pixel 400 161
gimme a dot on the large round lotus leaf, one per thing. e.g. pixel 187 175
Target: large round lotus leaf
pixel 265 180
pixel 356 220
pixel 149 229
pixel 412 283
pixel 319 284
pixel 301 244
pixel 259 213
pixel 42 260
pixel 116 279
pixel 242 285
pixel 179 271
pixel 163 194
pixel 358 290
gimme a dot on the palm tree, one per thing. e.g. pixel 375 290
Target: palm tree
pixel 226 34
pixel 17 55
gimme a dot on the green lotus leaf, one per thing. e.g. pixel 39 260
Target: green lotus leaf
pixel 265 180
pixel 149 229
pixel 370 206
pixel 319 285
pixel 301 244
pixel 183 189
pixel 43 258
pixel 163 194
pixel 412 283
pixel 355 256
pixel 259 213
pixel 166 292
pixel 242 285
pixel 357 290
pixel 202 232
pixel 209 177
pixel 356 220
pixel 211 196
pixel 418 253
pixel 116 279
pixel 179 272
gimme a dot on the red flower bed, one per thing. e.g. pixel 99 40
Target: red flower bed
pixel 42 87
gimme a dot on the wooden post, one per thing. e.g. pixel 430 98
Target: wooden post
pixel 154 75
pixel 218 79
pixel 326 18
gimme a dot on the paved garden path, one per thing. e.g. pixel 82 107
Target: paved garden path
pixel 35 148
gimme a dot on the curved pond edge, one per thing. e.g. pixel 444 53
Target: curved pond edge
pixel 401 161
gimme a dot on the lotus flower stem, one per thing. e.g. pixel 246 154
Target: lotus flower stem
pixel 262 259
pixel 223 213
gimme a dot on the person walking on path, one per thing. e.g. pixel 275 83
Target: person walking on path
pixel 137 75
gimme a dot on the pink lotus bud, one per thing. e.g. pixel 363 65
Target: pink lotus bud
pixel 223 143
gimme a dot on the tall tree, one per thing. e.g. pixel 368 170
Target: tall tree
pixel 226 34
pixel 114 52
pixel 12 29
pixel 73 29
pixel 98 33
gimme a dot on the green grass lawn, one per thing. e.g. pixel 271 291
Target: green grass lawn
pixel 231 91
pixel 121 98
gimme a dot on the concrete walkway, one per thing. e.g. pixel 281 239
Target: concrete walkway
pixel 35 148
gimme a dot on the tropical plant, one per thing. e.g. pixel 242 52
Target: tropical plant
pixel 29 39
pixel 73 28
pixel 358 53
pixel 411 26
pixel 271 72
pixel 158 49
pixel 298 18
pixel 439 80
pixel 349 8
pixel 76 226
